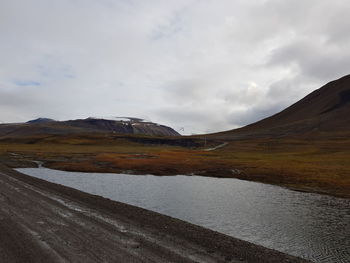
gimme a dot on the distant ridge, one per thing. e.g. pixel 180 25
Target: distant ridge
pixel 40 120
pixel 113 118
pixel 90 125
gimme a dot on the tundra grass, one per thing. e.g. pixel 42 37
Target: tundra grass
pixel 316 164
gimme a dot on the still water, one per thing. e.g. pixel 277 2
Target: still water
pixel 312 226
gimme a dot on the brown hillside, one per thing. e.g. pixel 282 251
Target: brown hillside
pixel 326 110
pixel 83 126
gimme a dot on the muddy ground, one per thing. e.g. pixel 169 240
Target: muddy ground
pixel 46 222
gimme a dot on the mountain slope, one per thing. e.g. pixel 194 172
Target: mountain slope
pixel 326 109
pixel 89 125
pixel 40 120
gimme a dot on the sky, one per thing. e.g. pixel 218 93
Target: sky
pixel 198 66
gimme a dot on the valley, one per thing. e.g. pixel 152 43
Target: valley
pixel 312 163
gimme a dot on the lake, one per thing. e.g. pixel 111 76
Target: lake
pixel 312 226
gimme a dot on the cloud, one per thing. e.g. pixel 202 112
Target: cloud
pixel 25 83
pixel 202 65
pixel 318 60
pixel 250 115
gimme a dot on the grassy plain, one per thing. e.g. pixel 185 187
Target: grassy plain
pixel 315 163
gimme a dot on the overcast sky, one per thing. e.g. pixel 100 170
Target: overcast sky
pixel 202 65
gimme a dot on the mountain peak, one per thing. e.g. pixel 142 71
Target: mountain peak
pixel 122 119
pixel 40 120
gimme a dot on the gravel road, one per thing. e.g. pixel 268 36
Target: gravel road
pixel 46 222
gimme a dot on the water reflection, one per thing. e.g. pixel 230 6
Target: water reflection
pixel 308 225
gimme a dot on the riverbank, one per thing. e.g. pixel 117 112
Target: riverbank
pixel 312 164
pixel 42 221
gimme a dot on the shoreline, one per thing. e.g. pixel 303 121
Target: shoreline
pixel 150 234
pixel 285 186
pixel 235 175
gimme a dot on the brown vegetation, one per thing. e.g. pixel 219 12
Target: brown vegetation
pixel 314 162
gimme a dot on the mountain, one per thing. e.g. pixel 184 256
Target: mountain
pixel 40 120
pixel 325 110
pixel 89 125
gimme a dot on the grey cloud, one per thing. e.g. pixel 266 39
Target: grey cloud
pixel 313 59
pixel 203 65
pixel 254 114
pixel 190 120
pixel 23 105
pixel 243 94
pixel 279 95
pixel 290 90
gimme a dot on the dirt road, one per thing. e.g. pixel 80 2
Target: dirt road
pixel 45 222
